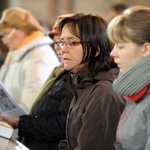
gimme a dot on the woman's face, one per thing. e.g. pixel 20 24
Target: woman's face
pixel 71 49
pixel 13 38
pixel 126 54
pixel 57 49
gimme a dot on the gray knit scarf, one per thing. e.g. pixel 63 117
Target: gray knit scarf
pixel 134 79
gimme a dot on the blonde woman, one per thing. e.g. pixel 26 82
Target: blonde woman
pixel 130 33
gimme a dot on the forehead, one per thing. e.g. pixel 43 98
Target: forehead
pixel 66 30
pixel 67 34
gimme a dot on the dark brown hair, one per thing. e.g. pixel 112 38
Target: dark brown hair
pixel 91 30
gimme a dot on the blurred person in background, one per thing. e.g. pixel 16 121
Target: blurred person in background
pixel 46 125
pixel 55 35
pixel 30 59
pixel 117 9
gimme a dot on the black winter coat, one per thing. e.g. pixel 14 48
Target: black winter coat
pixel 47 125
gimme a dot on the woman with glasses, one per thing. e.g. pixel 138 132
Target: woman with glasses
pixel 95 108
pixel 30 59
pixel 45 126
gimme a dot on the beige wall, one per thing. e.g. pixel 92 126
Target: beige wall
pixel 101 7
pixel 48 10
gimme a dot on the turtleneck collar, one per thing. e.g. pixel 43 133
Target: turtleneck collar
pixel 135 81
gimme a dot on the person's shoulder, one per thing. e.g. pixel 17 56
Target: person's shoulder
pixel 45 51
pixel 104 86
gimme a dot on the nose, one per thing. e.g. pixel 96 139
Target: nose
pixel 4 40
pixel 56 47
pixel 64 49
pixel 113 53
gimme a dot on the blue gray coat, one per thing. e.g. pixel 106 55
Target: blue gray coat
pixel 135 125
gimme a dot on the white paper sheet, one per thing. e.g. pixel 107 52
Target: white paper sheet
pixel 8 106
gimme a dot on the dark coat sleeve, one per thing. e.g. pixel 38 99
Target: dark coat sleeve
pixel 50 124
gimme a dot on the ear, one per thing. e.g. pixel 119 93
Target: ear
pixel 146 49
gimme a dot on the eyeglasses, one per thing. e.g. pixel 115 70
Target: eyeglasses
pixel 68 44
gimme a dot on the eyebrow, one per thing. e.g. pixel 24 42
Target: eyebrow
pixel 70 38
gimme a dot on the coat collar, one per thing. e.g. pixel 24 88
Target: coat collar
pixel 83 80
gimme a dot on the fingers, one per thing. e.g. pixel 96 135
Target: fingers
pixel 11 121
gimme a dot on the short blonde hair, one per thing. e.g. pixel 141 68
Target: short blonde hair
pixel 133 25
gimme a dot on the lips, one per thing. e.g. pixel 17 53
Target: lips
pixel 66 59
pixel 118 64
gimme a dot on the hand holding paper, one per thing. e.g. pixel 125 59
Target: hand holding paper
pixel 12 121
